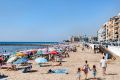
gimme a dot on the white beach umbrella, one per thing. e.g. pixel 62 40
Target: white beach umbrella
pixel 12 59
pixel 52 49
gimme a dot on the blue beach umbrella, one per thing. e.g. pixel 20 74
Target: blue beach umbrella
pixel 20 61
pixel 41 60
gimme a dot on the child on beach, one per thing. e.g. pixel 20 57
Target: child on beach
pixel 86 68
pixel 78 74
pixel 94 71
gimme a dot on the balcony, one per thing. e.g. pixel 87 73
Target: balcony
pixel 116 36
pixel 116 32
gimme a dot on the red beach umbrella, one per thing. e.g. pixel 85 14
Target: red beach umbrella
pixel 34 51
pixel 1 58
pixel 54 52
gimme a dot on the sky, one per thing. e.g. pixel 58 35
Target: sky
pixel 53 20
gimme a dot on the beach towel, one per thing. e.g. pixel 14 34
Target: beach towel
pixel 61 71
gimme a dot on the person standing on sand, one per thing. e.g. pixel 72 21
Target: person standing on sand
pixel 94 71
pixel 103 64
pixel 78 74
pixel 86 69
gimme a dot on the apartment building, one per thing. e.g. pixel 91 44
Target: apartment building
pixel 83 39
pixel 110 31
pixel 75 39
pixel 102 33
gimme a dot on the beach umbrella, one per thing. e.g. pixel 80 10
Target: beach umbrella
pixel 53 52
pixel 6 54
pixel 34 51
pixel 13 53
pixel 21 60
pixel 39 52
pixel 25 52
pixel 1 58
pixel 51 49
pixel 20 54
pixel 12 59
pixel 59 50
pixel 42 52
pixel 45 51
pixel 41 60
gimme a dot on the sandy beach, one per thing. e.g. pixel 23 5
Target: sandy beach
pixel 75 61
pixel 60 40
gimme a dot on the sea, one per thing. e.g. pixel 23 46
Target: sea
pixel 9 47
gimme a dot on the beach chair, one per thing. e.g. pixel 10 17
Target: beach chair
pixel 27 69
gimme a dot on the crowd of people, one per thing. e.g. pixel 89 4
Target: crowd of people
pixel 85 68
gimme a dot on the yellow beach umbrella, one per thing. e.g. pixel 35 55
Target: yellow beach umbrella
pixel 20 54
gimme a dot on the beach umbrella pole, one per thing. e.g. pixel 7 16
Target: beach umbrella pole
pixel 49 56
pixel 40 64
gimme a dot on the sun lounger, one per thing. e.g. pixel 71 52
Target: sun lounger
pixel 9 67
pixel 27 69
pixel 6 66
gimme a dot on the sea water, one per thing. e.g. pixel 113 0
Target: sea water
pixel 7 47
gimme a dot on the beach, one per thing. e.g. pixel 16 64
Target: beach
pixel 76 60
pixel 60 40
